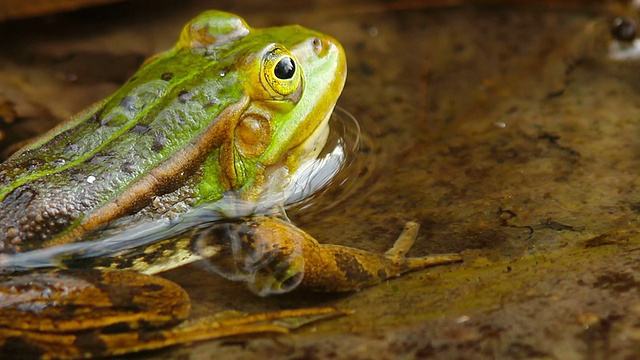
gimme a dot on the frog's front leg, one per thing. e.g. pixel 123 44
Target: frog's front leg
pixel 274 256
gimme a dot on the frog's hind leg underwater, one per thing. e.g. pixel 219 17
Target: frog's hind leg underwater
pixel 289 258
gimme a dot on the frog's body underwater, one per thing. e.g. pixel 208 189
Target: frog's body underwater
pixel 220 122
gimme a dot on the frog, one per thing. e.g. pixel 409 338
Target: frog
pixel 192 159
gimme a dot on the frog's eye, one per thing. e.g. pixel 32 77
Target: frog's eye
pixel 280 72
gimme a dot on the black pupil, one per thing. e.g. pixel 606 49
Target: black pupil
pixel 285 68
pixel 623 29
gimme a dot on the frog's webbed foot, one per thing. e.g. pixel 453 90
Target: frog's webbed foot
pixel 274 256
pixel 256 252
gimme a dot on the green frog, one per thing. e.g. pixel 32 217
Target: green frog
pixel 194 158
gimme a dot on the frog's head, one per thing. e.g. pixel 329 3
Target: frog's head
pixel 290 78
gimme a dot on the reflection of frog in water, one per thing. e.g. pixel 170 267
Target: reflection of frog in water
pixel 214 128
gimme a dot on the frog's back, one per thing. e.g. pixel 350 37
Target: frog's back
pixel 112 159
pixel 224 104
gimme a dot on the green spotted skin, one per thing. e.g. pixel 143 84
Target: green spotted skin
pixel 173 123
pixel 89 163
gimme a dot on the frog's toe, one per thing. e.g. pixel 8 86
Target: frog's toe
pixel 405 241
pixel 417 263
pixel 401 247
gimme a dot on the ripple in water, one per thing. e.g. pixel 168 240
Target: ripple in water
pixel 346 161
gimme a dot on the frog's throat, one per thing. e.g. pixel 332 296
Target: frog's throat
pixel 310 148
pixel 177 167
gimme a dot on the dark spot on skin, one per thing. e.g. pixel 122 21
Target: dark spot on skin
pixel 122 263
pixel 73 148
pixel 78 176
pixel 95 277
pixel 99 158
pixel 352 269
pixel 162 247
pixel 128 167
pixel 34 163
pixel 277 267
pixel 107 120
pixel 150 336
pixel 159 142
pixel 167 76
pixel 211 103
pixel 69 312
pixel 152 287
pixel 118 293
pixel 247 234
pixel 116 328
pixel 128 102
pixel 90 343
pixel 15 345
pixel 218 235
pixel 184 96
pixel 140 129
pixel 96 115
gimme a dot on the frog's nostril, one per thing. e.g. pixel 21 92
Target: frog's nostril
pixel 317 45
pixel 320 46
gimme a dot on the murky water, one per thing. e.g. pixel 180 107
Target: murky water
pixel 508 133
